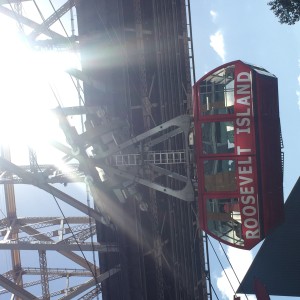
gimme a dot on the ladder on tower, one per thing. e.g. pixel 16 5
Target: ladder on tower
pixel 151 157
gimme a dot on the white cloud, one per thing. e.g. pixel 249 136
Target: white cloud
pixel 214 15
pixel 217 43
pixel 240 261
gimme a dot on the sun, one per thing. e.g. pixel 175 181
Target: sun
pixel 32 83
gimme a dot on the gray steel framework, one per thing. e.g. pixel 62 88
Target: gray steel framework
pixel 149 84
pixel 159 236
pixel 66 236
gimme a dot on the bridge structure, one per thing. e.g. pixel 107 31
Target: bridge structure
pixel 136 235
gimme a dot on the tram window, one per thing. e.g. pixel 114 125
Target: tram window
pixel 219 175
pixel 218 137
pixel 224 219
pixel 217 92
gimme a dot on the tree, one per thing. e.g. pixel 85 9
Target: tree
pixel 288 11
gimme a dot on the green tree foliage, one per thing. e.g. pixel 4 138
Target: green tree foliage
pixel 288 11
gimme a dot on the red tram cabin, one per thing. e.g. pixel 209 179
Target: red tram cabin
pixel 238 153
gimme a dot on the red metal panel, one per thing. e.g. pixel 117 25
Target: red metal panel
pixel 249 200
pixel 246 150
pixel 268 132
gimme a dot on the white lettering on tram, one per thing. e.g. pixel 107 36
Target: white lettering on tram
pixel 243 89
pixel 243 76
pixel 243 120
pixel 244 100
pixel 248 195
pixel 241 150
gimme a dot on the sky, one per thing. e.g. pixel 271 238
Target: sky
pixel 224 31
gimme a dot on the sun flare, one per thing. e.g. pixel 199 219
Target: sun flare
pixel 29 79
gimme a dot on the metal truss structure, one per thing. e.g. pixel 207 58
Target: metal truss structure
pixel 71 238
pixel 122 170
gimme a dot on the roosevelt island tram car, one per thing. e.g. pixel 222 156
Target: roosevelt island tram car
pixel 238 153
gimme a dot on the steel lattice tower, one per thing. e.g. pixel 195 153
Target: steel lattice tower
pixel 140 238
